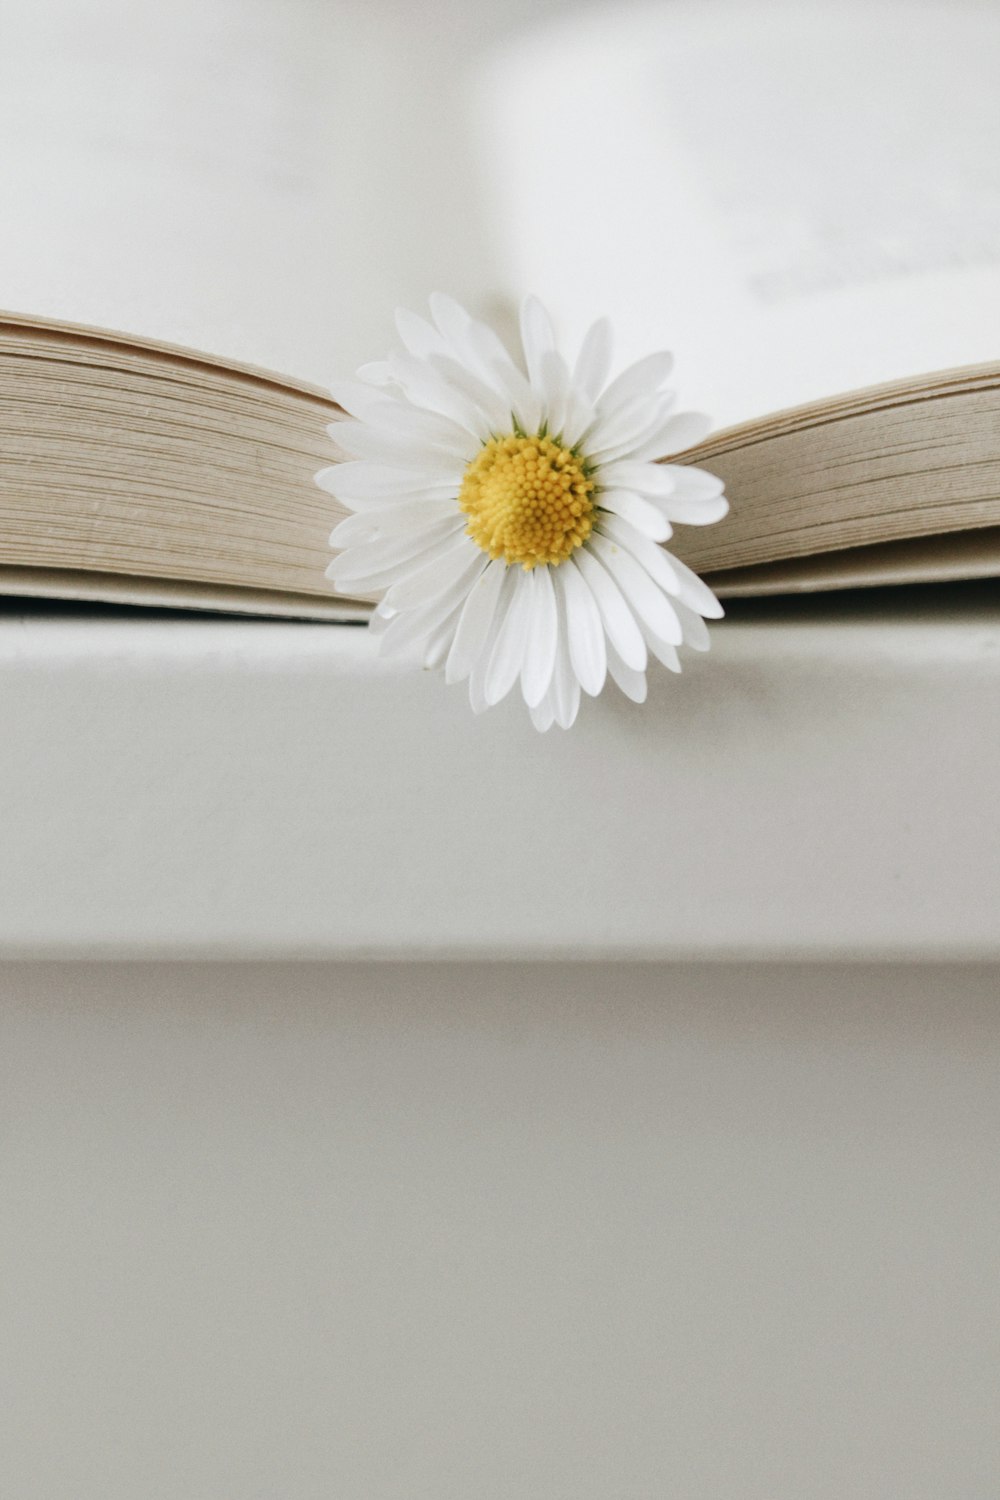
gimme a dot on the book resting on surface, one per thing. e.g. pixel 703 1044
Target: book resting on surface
pixel 139 473
pixel 800 199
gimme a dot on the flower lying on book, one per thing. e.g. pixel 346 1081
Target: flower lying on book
pixel 513 518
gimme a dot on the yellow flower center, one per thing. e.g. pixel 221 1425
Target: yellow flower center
pixel 528 500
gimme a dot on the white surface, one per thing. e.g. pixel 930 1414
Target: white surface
pixel 822 783
pixel 507 1233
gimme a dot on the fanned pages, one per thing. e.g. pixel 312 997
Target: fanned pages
pixel 144 473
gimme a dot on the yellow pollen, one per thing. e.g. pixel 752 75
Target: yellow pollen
pixel 528 500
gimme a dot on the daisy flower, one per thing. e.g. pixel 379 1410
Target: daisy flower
pixel 513 516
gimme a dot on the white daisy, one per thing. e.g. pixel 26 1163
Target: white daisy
pixel 514 517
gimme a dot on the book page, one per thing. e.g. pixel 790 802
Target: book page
pixel 798 199
pixel 259 179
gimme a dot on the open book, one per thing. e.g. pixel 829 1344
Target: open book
pixel 803 201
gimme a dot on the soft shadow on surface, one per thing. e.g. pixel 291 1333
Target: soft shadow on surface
pixel 919 601
pixel 829 1003
pixel 67 610
pixel 912 601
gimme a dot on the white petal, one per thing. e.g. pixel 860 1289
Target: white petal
pixel 373 584
pixel 695 512
pixel 636 438
pixel 691 482
pixel 406 631
pixel 426 385
pixel 677 433
pixel 657 563
pixel 380 620
pixel 555 390
pixel 649 603
pixel 593 363
pixel 416 626
pixel 579 417
pixel 359 484
pixel 387 552
pixel 491 359
pixel 657 445
pixel 492 409
pixel 477 677
pixel 491 362
pixel 428 429
pixel 537 336
pixel 456 559
pixel 475 621
pixel 391 520
pixel 664 651
pixel 645 376
pixel 584 629
pixel 693 592
pixel 438 643
pixel 349 579
pixel 543 715
pixel 619 622
pixel 539 658
pixel 465 334
pixel 565 689
pixel 353 528
pixel 379 578
pixel 489 348
pixel 372 506
pixel 525 402
pixel 645 479
pixel 381 402
pixel 507 656
pixel 355 397
pixel 418 337
pixel 612 436
pixel 375 372
pixel 695 630
pixel 362 440
pixel 631 682
pixel 452 320
pixel 666 569
pixel 640 513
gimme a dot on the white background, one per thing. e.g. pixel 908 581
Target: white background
pixel 475 1232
